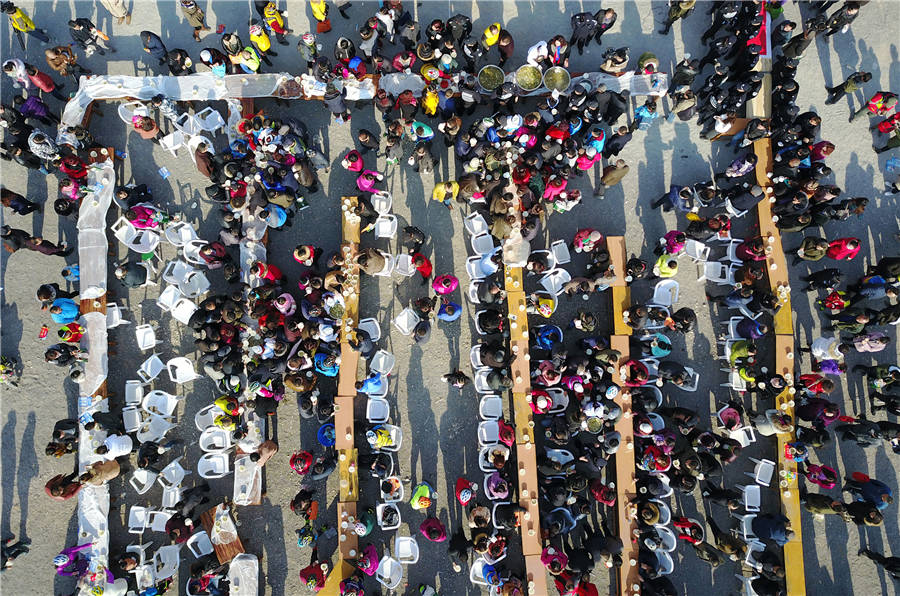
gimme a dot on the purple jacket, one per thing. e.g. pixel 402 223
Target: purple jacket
pixel 34 108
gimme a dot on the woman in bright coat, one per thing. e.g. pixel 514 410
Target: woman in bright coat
pixel 843 249
pixel 276 22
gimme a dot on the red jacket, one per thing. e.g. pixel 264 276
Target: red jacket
pixel 839 251
pixel 43 81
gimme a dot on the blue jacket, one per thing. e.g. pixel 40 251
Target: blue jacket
pixel 69 311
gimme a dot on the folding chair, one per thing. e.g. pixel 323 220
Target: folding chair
pixel 762 473
pixel 696 251
pixel 560 252
pixel 752 497
pixel 371 327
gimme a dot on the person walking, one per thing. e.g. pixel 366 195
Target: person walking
pixel 679 9
pixel 850 84
pixel 91 39
pixel 21 23
pixel 194 16
pixel 890 564
pixel 64 61
pixel 118 9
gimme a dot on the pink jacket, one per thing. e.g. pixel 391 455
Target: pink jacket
pixel 839 251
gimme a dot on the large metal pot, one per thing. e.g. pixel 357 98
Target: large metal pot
pixel 557 78
pixel 528 77
pixel 490 77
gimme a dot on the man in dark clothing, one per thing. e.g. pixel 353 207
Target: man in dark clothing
pixel 850 84
pixel 605 19
pixel 458 550
pixel 617 142
pixel 368 141
pixel 15 239
pixel 204 160
pixel 132 275
pixel 584 27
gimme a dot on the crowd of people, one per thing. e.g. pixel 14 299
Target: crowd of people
pixel 261 337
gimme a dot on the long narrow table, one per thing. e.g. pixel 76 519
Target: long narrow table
pixel 523 420
pixel 344 423
pixel 626 488
pixel 224 552
pixel 776 267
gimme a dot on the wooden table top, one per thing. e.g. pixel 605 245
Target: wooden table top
pixel 348 471
pixel 528 498
pixel 524 418
pixel 351 540
pixel 224 552
pixel 626 489
pixel 535 575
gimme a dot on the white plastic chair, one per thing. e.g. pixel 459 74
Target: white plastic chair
pixel 382 362
pixel 476 572
pixel 213 465
pixel 406 321
pixel 206 417
pixel 666 564
pixel 397 498
pixel 560 252
pixel 199 544
pixel 160 402
pixel 732 210
pixel 743 435
pixel 382 202
pixel 752 497
pixel 172 142
pixel 377 411
pixel 183 310
pixel 488 432
pixel 195 284
pixel 762 473
pixel 151 272
pixel 379 516
pixel 191 252
pixel 209 119
pixel 168 298
pixel 560 401
pixel 157 519
pixel 214 439
pixel 146 337
pixel 140 241
pixel 747 526
pixel 131 419
pixel 389 264
pixel 472 294
pixel 665 514
pixel 665 293
pixel 669 541
pixel 750 560
pixel 165 561
pixel 189 125
pixel 490 407
pixel 473 268
pixel 485 454
pixel 731 332
pixel 141 481
pixel 137 519
pixel 180 233
pixel 482 243
pixel 173 474
pixel 150 369
pixel 475 224
pixel 176 271
pixel 696 251
pixel 396 438
pixel 181 370
pixel 692 382
pixel 128 110
pixel 371 327
pixel 475 357
pixel 403 265
pixel 140 550
pixel 731 250
pixel 717 273
pixel 386 226
pixel 153 429
pixel 480 380
pixel 171 496
pixel 389 573
pixel 134 393
pixel 406 550
pixel 114 316
pixel 554 281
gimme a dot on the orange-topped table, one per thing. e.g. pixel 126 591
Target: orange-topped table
pixel 621 292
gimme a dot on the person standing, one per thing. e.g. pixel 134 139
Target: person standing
pixel 679 9
pixel 584 27
pixel 22 23
pixel 91 39
pixel 194 16
pixel 42 81
pixel 605 19
pixel 64 61
pixel 118 9
pixel 17 202
pixel 850 84
pixel 154 46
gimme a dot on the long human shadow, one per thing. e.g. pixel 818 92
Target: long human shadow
pixel 8 444
pixel 27 470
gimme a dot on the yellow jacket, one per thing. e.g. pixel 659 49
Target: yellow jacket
pixel 491 38
pixel 261 41
pixel 440 193
pixel 319 9
pixel 21 22
pixel 430 103
pixel 662 268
